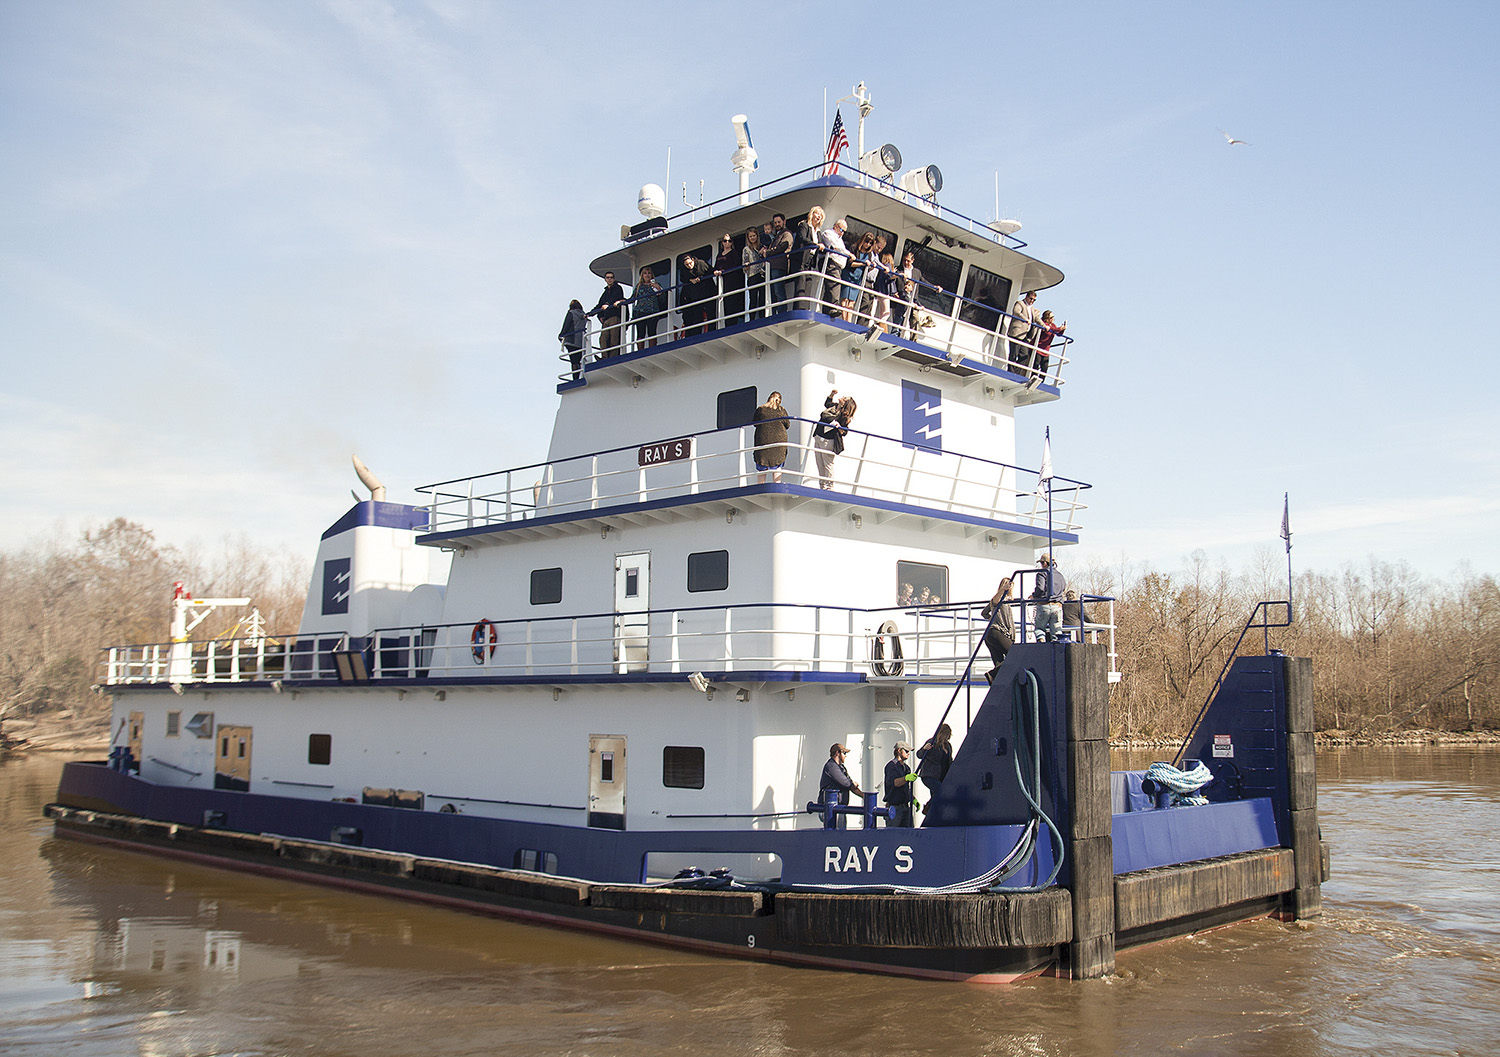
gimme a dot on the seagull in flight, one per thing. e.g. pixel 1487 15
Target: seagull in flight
pixel 1232 140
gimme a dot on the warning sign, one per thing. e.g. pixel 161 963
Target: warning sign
pixel 1223 746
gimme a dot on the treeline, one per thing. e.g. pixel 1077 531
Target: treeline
pixel 62 601
pixel 1391 650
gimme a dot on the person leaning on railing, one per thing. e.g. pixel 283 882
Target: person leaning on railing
pixel 609 310
pixel 697 289
pixel 754 259
pixel 649 302
pixel 779 255
pixel 729 269
pixel 1051 589
pixel 1024 324
pixel 808 250
pixel 574 335
pixel 1050 329
pixel 837 256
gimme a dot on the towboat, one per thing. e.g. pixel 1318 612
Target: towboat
pixel 602 690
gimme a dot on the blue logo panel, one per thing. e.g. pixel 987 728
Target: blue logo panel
pixel 336 586
pixel 921 417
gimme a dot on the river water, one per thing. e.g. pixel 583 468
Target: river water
pixel 115 952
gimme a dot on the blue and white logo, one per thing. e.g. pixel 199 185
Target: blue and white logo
pixel 921 417
pixel 336 586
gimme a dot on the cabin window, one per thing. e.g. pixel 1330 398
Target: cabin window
pixel 858 227
pixel 938 270
pixel 606 767
pixel 988 296
pixel 174 724
pixel 661 271
pixel 708 571
pixel 546 587
pixel 919 584
pixel 535 860
pixel 737 407
pixel 319 748
pixel 682 766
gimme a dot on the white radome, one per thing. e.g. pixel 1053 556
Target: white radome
pixel 652 201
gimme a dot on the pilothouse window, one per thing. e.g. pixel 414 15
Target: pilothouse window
pixel 992 294
pixel 938 270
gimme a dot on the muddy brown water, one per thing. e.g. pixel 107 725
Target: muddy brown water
pixel 113 952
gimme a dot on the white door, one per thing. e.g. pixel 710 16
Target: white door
pixel 606 781
pixel 632 600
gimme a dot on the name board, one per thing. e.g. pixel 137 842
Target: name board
pixel 666 451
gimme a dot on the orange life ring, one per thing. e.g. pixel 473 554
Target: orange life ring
pixel 485 629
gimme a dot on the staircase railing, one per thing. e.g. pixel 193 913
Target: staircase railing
pixel 1262 613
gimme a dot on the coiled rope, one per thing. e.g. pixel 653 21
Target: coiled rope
pixel 1183 785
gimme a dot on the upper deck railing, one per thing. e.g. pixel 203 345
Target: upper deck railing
pixel 850 172
pixel 873 467
pixel 940 323
pixel 901 643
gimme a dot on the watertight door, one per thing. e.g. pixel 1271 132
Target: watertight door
pixel 232 759
pixel 606 781
pixel 632 600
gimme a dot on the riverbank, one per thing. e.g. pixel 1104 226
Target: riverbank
pixel 62 731
pixel 1339 739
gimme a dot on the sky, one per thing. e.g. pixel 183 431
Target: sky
pixel 240 241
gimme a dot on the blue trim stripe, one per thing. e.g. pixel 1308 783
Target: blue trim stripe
pixel 735 493
pixel 380 515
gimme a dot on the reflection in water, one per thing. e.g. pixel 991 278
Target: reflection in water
pixel 112 952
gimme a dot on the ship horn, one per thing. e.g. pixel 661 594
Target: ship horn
pixel 377 490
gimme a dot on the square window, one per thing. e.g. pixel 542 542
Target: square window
pixel 546 586
pixel 708 571
pixel 737 407
pixel 319 748
pixel 682 767
pixel 919 584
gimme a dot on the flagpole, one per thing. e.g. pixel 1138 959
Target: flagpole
pixel 1286 534
pixel 1046 472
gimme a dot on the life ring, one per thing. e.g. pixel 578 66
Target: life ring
pixel 485 629
pixel 895 666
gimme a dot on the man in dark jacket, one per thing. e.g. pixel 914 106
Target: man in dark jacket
pixel 898 786
pixel 836 776
pixel 609 310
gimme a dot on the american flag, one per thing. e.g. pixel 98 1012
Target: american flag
pixel 838 142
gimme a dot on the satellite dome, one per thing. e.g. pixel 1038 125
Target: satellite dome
pixel 652 201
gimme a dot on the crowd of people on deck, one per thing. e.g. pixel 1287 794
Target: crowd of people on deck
pixel 774 267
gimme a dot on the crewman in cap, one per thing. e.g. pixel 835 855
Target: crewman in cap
pixel 898 786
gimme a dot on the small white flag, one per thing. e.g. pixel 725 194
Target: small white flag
pixel 1044 475
pixel 1286 520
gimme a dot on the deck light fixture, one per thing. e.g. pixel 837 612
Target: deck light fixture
pixel 882 162
pixel 924 182
pixel 700 683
